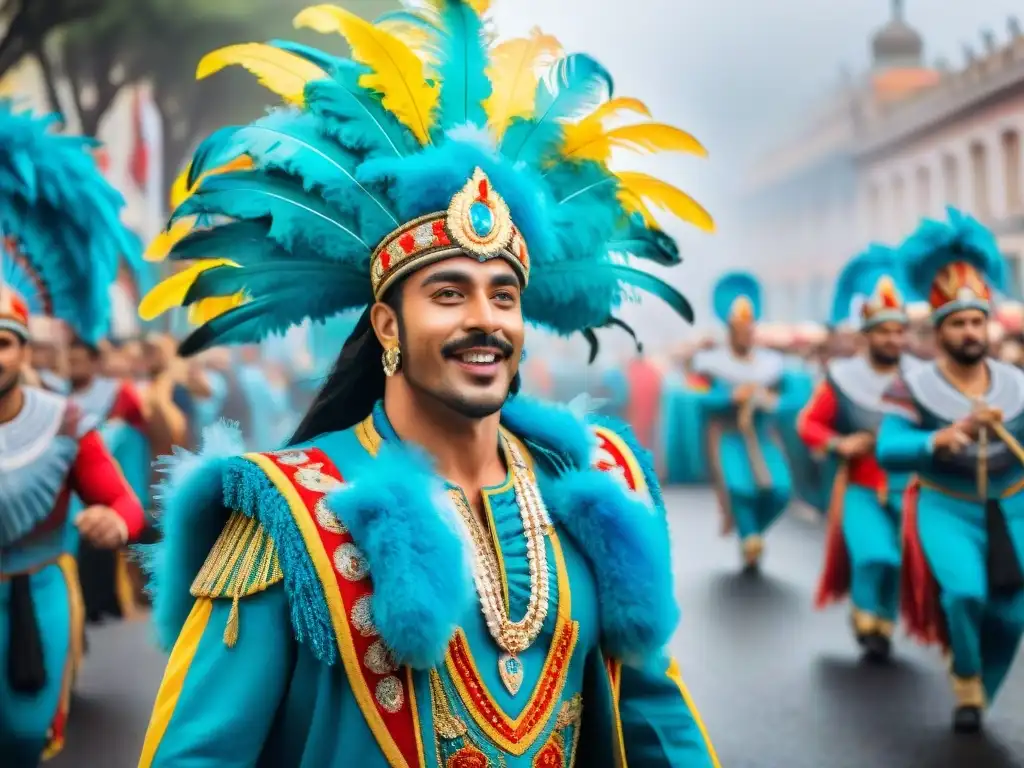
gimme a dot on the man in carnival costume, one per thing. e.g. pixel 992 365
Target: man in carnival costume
pixel 841 421
pixel 114 407
pixel 742 386
pixel 957 423
pixel 64 237
pixel 350 628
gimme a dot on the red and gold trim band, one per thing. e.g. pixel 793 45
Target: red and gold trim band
pixel 477 224
pixel 383 690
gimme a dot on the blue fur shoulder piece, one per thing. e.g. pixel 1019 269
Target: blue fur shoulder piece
pixel 191 499
pixel 550 430
pixel 404 523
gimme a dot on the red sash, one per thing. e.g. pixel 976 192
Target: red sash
pixel 919 592
pixel 834 583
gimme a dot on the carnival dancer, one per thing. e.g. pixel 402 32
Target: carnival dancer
pixel 743 386
pixel 957 422
pixel 114 408
pixel 840 424
pixel 61 220
pixel 417 472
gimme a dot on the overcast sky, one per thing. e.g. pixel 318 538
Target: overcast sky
pixel 736 73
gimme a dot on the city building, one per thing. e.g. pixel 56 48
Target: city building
pixel 896 143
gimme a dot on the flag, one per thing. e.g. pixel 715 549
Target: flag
pixel 146 162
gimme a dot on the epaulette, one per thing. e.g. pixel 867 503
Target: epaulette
pixel 243 562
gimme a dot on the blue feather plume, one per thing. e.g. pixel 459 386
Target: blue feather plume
pixel 462 66
pixel 64 219
pixel 934 244
pixel 729 288
pixel 860 276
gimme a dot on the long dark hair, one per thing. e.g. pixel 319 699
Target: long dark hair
pixel 352 387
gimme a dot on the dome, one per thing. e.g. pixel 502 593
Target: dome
pixel 897 42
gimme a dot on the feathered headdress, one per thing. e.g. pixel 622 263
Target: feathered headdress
pixel 736 298
pixel 870 289
pixel 954 264
pixel 61 227
pixel 431 142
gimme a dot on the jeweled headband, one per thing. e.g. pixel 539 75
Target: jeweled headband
pixel 477 223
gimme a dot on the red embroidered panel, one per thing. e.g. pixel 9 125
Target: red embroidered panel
pixel 382 689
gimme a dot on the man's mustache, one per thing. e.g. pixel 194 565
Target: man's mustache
pixel 476 340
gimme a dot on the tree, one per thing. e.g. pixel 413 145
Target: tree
pixel 28 23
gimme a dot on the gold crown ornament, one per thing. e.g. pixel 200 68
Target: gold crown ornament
pixel 477 223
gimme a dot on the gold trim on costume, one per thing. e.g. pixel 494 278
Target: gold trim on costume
pixel 76 624
pixel 673 673
pixel 243 562
pixel 174 678
pixel 339 621
pixel 555 655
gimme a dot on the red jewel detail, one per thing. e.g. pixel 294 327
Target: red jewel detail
pixel 483 189
pixel 407 243
pixel 385 260
pixel 440 236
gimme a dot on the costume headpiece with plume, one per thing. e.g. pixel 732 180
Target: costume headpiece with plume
pixel 870 289
pixel 431 142
pixel 954 264
pixel 61 228
pixel 736 298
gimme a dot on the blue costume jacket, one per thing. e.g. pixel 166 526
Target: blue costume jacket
pixel 748 462
pixel 321 605
pixel 966 519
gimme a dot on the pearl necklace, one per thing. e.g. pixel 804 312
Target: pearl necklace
pixel 513 637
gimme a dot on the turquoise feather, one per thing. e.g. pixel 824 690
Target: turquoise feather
pixel 462 66
pixel 575 85
pixel 860 275
pixel 266 315
pixel 65 218
pixel 244 242
pixel 290 142
pixel 934 244
pixel 332 65
pixel 264 279
pixel 355 118
pixel 730 287
pixel 297 216
pixel 642 242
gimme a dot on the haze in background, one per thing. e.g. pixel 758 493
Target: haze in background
pixel 737 74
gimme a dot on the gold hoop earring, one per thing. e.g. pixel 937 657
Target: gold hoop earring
pixel 391 360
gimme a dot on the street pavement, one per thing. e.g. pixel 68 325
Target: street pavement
pixel 779 685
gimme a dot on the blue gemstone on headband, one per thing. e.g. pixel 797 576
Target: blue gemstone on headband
pixel 481 219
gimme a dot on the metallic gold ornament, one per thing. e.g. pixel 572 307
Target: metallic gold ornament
pixel 391 360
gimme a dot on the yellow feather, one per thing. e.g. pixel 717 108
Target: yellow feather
pixel 179 189
pixel 639 189
pixel 171 292
pixel 282 72
pixel 418 39
pixel 613 107
pixel 205 310
pixel 581 144
pixel 161 245
pixel 397 72
pixel 514 72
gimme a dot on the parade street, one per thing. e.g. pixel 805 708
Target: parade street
pixel 779 685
